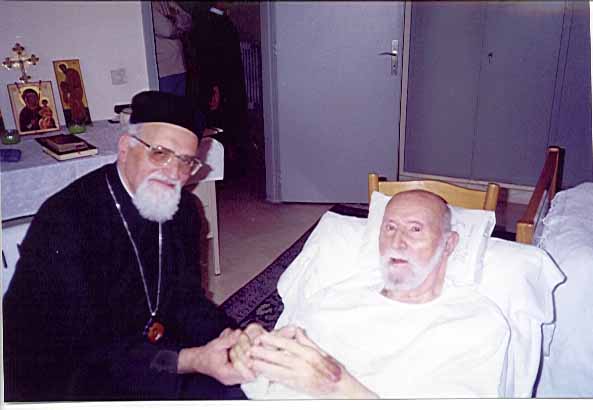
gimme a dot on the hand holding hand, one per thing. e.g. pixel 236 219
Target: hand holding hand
pixel 289 357
pixel 239 353
pixel 212 359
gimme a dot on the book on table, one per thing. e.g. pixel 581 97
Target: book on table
pixel 66 146
pixel 64 142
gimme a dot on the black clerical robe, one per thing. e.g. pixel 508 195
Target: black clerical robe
pixel 214 58
pixel 76 308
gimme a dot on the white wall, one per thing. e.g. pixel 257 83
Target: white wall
pixel 104 36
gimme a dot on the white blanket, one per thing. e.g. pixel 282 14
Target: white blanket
pixel 454 346
pixel 567 370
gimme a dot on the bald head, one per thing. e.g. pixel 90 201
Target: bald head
pixel 415 242
pixel 432 203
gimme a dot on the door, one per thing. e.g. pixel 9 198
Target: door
pixel 332 109
pixel 519 67
pixel 482 86
pixel 443 86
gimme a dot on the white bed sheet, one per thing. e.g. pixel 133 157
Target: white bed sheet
pixel 567 235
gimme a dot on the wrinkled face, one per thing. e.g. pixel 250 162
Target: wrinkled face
pixel 136 166
pixel 411 241
pixel 156 189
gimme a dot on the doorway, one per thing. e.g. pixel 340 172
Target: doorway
pixel 218 27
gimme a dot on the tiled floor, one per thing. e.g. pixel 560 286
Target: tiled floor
pixel 253 232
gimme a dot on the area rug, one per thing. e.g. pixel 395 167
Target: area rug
pixel 258 301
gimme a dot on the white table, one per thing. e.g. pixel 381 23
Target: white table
pixel 26 184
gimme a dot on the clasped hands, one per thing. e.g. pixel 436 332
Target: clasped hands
pixel 289 357
pixel 286 356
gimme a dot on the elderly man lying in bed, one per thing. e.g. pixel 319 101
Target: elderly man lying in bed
pixel 409 335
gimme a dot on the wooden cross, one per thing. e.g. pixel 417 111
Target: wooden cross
pixel 21 61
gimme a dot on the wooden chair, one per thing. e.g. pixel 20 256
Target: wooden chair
pixel 453 194
pixel 546 187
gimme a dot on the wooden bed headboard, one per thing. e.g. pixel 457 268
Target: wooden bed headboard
pixel 547 185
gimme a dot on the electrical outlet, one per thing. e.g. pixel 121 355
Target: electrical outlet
pixel 119 76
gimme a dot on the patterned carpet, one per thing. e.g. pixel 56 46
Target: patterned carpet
pixel 258 301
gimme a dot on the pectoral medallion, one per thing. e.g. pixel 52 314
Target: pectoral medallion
pixel 154 330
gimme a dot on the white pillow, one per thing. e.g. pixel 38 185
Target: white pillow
pixel 329 256
pixel 465 264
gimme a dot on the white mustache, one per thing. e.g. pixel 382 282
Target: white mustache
pixel 159 176
pixel 393 254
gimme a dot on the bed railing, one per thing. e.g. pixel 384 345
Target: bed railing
pixel 546 187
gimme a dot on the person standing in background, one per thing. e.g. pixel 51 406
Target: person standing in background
pixel 217 79
pixel 171 23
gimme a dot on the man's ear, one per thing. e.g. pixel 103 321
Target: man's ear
pixel 451 243
pixel 123 147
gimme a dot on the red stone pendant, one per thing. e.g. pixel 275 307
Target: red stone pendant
pixel 154 330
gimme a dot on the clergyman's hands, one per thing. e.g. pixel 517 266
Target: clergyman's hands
pixel 212 359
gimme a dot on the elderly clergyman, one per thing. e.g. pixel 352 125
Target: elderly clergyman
pixel 106 300
pixel 412 334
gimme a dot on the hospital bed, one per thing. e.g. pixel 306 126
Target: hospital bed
pixel 519 278
pixel 561 223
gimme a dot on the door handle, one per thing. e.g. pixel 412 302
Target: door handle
pixel 394 53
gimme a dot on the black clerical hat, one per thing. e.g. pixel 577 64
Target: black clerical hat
pixel 157 106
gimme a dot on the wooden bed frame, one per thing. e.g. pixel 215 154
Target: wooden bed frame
pixel 545 189
pixel 453 194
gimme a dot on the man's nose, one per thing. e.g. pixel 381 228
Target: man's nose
pixel 172 169
pixel 398 240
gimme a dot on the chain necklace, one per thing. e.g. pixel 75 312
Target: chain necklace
pixel 153 330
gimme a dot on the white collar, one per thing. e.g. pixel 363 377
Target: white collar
pixel 216 11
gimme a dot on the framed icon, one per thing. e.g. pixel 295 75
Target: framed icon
pixel 33 107
pixel 72 93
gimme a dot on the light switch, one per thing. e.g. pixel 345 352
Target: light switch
pixel 119 76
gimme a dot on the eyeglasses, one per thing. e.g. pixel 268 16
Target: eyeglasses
pixel 161 156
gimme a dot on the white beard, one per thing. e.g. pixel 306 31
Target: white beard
pixel 155 202
pixel 418 272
